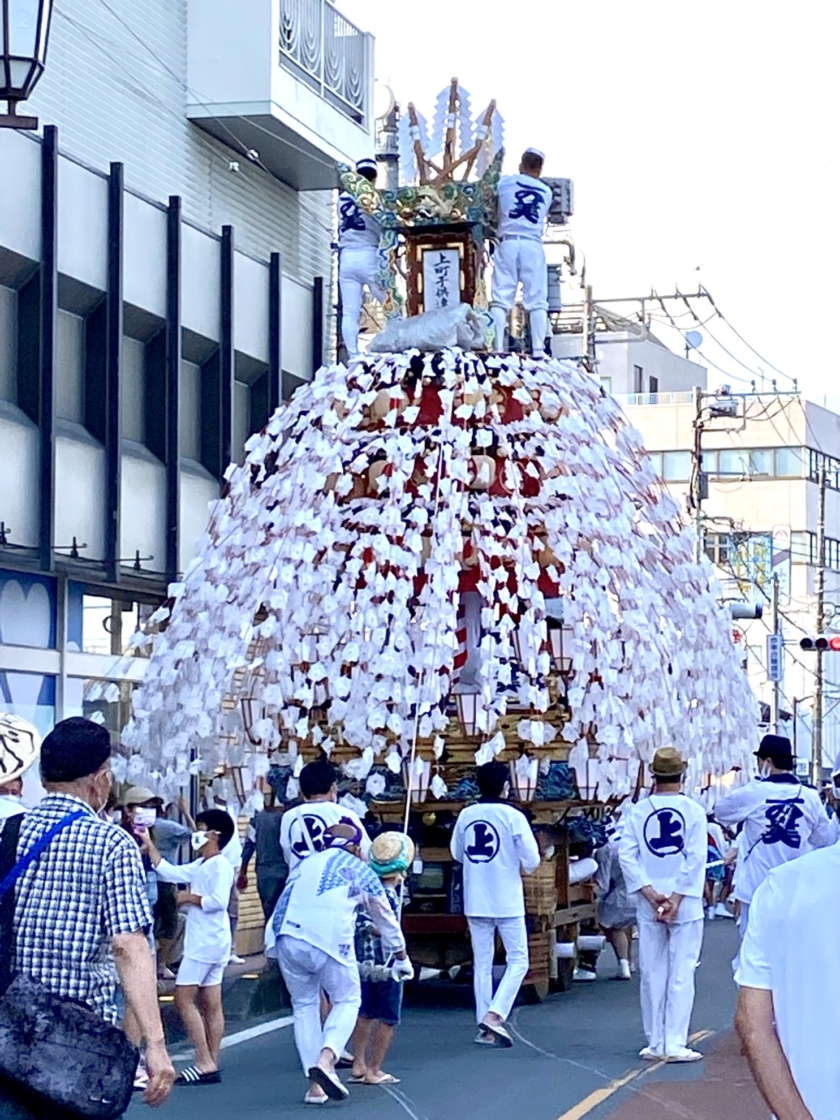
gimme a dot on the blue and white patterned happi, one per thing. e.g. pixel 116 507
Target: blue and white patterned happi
pixel 345 870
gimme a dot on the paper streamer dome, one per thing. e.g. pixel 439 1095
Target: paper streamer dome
pixel 401 532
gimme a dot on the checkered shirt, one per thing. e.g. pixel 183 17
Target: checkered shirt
pixel 368 945
pixel 87 887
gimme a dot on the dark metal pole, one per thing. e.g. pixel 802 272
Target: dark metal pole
pixel 113 395
pixel 49 316
pixel 173 386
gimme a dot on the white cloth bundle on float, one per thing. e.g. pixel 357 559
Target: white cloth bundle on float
pixel 433 330
pixel 582 869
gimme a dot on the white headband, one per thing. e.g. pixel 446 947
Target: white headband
pixel 535 152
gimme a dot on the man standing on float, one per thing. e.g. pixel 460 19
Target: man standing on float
pixel 524 202
pixel 358 248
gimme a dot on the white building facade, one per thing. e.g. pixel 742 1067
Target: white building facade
pixel 165 266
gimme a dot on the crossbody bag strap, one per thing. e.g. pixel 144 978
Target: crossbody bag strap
pixel 11 876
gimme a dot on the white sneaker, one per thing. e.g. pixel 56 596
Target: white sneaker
pixel 583 974
pixel 648 1054
pixel 235 959
pixel 710 913
pixel 683 1054
pixel 723 911
pixel 623 970
pixel 141 1077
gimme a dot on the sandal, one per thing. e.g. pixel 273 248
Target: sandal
pixel 329 1083
pixel 193 1076
pixel 385 1079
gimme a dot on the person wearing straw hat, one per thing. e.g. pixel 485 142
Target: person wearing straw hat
pixel 494 843
pixel 358 247
pixel 782 820
pixel 524 202
pixel 663 857
pixel 391 855
pixel 20 745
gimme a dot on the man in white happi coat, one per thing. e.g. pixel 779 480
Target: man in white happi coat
pixel 303 828
pixel 312 936
pixel 494 843
pixel 358 249
pixel 524 202
pixel 663 856
pixel 782 820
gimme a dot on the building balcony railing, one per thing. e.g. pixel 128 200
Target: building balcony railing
pixel 328 52
pixel 288 83
pixel 631 399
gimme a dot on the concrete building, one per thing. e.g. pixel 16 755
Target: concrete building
pixel 164 263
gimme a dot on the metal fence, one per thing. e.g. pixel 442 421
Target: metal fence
pixel 328 52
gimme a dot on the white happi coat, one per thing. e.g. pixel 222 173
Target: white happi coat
pixel 782 820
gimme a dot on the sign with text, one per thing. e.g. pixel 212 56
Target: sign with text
pixel 775 653
pixel 441 278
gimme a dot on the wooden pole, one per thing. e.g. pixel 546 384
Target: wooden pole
pixel 418 147
pixel 449 143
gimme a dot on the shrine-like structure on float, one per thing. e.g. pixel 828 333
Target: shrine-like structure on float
pixel 435 557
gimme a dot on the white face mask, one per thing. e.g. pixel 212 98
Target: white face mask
pixel 198 840
pixel 764 769
pixel 145 817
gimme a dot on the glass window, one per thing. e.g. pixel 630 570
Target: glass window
pixel 789 462
pixel 761 463
pixel 191 411
pixel 711 461
pixel 801 547
pixel 134 390
pixel 606 385
pixel 70 367
pixel 105 702
pixel 734 461
pixel 99 624
pixel 676 466
pixel 8 345
pixel 656 459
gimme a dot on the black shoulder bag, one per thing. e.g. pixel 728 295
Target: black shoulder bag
pixel 55 1050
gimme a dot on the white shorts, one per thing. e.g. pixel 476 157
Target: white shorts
pixel 199 974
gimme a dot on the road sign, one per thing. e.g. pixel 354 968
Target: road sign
pixel 775 651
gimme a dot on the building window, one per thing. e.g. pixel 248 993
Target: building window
pixel 638 379
pixel 676 466
pixel 816 460
pixel 718 547
pixel 761 464
pixel 606 385
pixel 134 390
pixel 654 384
pixel 802 548
pixel 191 411
pixel 8 345
pixel 789 462
pixel 734 462
pixel 70 368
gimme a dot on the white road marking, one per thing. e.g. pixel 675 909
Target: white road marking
pixel 244 1036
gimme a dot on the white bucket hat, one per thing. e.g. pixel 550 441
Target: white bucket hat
pixel 20 744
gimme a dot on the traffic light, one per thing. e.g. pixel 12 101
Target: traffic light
pixel 817 644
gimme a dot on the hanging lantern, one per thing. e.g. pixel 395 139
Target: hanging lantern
pixel 24 34
pixel 524 775
pixel 416 778
pixel 560 644
pixel 469 705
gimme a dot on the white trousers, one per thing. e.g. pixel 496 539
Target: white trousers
pixel 668 956
pixel 357 270
pixel 307 971
pixel 520 261
pixel 515 940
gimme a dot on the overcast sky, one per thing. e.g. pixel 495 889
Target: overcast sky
pixel 696 135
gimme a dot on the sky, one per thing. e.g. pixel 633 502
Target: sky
pixel 701 138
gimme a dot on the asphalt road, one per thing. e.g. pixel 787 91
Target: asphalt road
pixel 576 1056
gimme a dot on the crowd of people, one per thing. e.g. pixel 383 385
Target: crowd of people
pixel 107 884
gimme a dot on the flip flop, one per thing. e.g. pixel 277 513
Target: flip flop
pixel 329 1083
pixel 193 1076
pixel 357 1079
pixel 385 1079
pixel 309 1099
pixel 345 1061
pixel 499 1033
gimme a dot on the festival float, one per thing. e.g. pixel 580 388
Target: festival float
pixel 436 556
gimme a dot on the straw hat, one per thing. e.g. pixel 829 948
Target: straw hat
pixel 668 764
pixel 20 744
pixel 139 795
pixel 391 853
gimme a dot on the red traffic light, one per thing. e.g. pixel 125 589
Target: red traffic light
pixel 821 644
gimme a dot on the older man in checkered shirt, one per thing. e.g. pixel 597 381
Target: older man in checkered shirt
pixel 82 906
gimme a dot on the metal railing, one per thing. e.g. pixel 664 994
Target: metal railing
pixel 328 52
pixel 655 398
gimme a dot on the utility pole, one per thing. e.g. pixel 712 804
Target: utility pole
pixel 699 487
pixel 817 737
pixel 777 684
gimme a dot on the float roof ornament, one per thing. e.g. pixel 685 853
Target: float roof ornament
pixel 325 606
pixel 455 147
